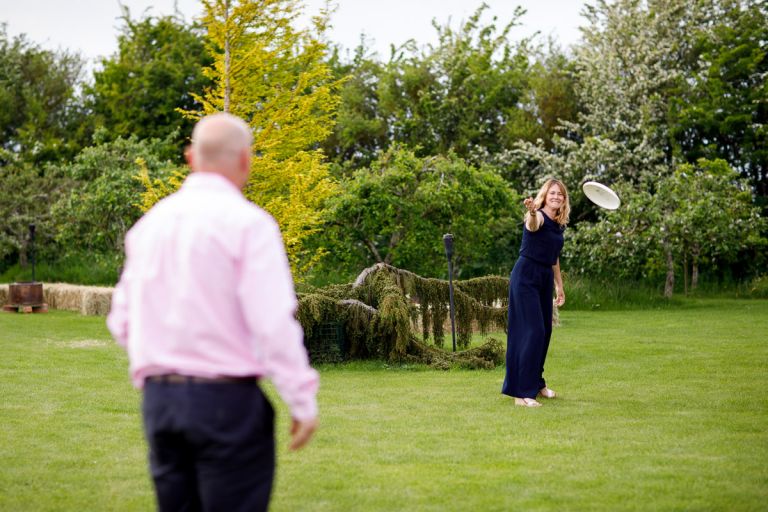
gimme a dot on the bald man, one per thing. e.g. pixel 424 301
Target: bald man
pixel 205 308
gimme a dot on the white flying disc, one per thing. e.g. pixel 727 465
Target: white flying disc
pixel 601 195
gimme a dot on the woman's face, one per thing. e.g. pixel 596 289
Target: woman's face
pixel 555 197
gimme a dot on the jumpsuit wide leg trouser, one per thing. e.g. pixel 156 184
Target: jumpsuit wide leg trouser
pixel 529 327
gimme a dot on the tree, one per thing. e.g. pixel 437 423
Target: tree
pixel 156 71
pixel 633 63
pixel 397 210
pixel 660 83
pixel 277 78
pixel 548 110
pixel 27 192
pixel 629 66
pixel 40 117
pixel 619 244
pixel 362 127
pixel 481 81
pixel 102 202
pixel 41 121
pixel 700 214
pixel 462 93
pixel 553 99
pixel 714 219
pixel 725 112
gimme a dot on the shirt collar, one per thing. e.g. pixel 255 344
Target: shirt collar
pixel 209 181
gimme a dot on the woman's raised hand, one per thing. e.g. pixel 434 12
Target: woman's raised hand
pixel 529 204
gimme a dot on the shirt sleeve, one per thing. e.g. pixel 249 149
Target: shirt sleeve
pixel 269 304
pixel 117 320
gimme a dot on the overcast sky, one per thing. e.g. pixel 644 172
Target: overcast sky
pixel 91 26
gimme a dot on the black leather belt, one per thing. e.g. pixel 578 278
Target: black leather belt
pixel 186 379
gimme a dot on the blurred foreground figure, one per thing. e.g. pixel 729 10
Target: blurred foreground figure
pixel 205 308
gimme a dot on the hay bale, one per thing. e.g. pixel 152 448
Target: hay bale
pixel 96 300
pixel 63 296
pixel 86 300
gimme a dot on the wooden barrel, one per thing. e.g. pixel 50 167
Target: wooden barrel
pixel 25 294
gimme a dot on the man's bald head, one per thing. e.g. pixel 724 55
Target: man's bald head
pixel 221 143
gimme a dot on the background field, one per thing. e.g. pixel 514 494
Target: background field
pixel 660 410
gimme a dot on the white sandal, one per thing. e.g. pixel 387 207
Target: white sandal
pixel 527 402
pixel 547 393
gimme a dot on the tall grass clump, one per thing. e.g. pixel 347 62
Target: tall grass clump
pixel 758 288
pixel 755 288
pixel 583 293
pixel 602 293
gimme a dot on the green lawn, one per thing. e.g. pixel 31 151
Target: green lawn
pixel 659 410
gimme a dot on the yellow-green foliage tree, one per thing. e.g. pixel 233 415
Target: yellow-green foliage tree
pixel 275 76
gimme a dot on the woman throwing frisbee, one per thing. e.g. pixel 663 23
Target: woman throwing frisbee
pixel 529 319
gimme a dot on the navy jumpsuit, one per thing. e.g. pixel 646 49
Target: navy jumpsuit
pixel 529 319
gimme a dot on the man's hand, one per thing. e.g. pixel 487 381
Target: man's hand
pixel 301 432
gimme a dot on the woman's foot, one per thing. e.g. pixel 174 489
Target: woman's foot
pixel 527 402
pixel 547 393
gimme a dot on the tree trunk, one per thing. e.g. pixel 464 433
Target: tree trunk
pixel 695 265
pixel 394 240
pixel 227 58
pixel 23 248
pixel 685 274
pixel 695 275
pixel 23 257
pixel 669 285
pixel 375 252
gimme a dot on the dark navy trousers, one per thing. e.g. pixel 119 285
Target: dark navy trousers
pixel 529 327
pixel 211 445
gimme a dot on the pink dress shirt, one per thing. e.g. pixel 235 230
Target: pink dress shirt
pixel 207 291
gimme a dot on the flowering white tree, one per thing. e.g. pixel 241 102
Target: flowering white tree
pixel 699 215
pixel 637 63
pixel 631 63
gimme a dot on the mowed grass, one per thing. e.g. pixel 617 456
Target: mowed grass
pixel 659 410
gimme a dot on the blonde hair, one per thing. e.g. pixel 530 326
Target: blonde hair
pixel 563 213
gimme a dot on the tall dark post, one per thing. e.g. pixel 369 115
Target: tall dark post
pixel 32 249
pixel 448 242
